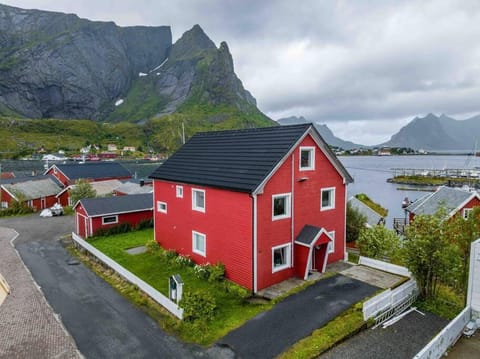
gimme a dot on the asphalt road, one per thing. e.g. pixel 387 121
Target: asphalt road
pixel 101 321
pixel 270 333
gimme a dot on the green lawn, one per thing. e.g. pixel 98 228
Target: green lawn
pixel 233 310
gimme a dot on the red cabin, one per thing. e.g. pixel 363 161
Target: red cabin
pixel 37 192
pixel 92 214
pixel 268 203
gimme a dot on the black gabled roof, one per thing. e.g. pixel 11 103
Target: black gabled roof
pixel 93 170
pixel 239 160
pixel 102 206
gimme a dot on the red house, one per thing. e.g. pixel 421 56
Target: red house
pixel 37 192
pixel 92 214
pixel 455 200
pixel 69 173
pixel 268 203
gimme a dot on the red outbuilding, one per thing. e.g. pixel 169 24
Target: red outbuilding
pixel 268 203
pixel 456 201
pixel 92 214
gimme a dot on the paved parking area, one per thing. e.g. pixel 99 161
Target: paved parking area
pixel 402 340
pixel 28 326
pixel 373 276
pixel 270 333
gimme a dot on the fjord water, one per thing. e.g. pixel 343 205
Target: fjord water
pixel 370 174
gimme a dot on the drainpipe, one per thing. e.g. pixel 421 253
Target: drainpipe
pixel 254 243
pixel 292 204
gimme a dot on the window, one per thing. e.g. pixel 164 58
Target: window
pixel 280 206
pixel 109 219
pixel 4 204
pixel 466 212
pixel 198 200
pixel 327 199
pixel 307 158
pixel 179 191
pixel 331 244
pixel 199 243
pixel 280 257
pixel 161 207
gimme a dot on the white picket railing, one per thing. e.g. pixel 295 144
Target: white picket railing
pixel 446 338
pixel 161 299
pixel 386 267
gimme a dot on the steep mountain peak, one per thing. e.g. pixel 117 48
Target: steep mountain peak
pixel 191 43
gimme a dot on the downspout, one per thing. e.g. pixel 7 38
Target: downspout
pixel 345 256
pixel 254 243
pixel 292 204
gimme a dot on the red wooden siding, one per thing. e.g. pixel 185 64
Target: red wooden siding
pixel 306 210
pixel 227 224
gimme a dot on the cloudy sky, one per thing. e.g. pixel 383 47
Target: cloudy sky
pixel 365 68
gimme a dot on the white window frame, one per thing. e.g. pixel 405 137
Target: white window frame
pixel 332 190
pixel 466 212
pixel 114 216
pixel 288 255
pixel 331 244
pixel 288 205
pixel 4 204
pixel 179 191
pixel 195 207
pixel 203 252
pixel 161 204
pixel 311 166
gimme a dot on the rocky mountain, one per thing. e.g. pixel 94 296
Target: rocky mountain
pixel 55 65
pixel 324 131
pixel 438 133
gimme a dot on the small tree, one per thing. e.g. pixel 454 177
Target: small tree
pixel 378 242
pixel 82 189
pixel 355 222
pixel 429 253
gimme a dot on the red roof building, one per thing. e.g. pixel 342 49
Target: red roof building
pixel 268 203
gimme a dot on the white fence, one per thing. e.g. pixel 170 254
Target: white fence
pixel 446 338
pixel 389 299
pixel 164 301
pixel 387 267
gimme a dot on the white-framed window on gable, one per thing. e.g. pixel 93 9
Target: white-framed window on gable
pixel 281 257
pixel 331 244
pixel 161 207
pixel 281 206
pixel 466 212
pixel 307 158
pixel 327 198
pixel 198 200
pixel 179 191
pixel 109 219
pixel 199 243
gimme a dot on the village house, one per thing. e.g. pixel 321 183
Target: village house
pixel 93 214
pixel 373 218
pixel 37 192
pixel 268 203
pixel 456 201
pixel 69 173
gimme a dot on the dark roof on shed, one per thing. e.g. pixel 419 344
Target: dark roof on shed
pixel 238 160
pixel 102 206
pixel 94 170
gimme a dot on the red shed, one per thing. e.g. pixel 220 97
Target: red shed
pixel 247 198
pixel 92 214
pixel 38 192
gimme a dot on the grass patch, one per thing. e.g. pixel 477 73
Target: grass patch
pixel 342 327
pixel 431 181
pixel 447 304
pixel 353 257
pixel 232 308
pixel 373 205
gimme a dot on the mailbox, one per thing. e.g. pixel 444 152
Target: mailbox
pixel 175 288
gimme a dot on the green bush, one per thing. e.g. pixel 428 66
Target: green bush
pixel 216 272
pixel 198 305
pixel 120 228
pixel 237 290
pixel 146 223
pixel 152 246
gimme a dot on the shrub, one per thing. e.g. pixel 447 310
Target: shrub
pixel 201 271
pixel 146 223
pixel 152 246
pixel 120 228
pixel 216 272
pixel 184 261
pixel 198 305
pixel 235 289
